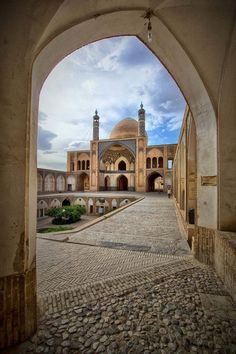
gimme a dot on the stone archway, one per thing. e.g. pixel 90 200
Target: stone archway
pixel 122 183
pixel 122 166
pixel 66 202
pixel 178 63
pixel 83 182
pixel 155 182
pixel 207 85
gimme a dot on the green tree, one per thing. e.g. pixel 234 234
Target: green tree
pixel 66 214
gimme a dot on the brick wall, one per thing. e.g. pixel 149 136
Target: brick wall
pixel 18 316
pixel 225 259
pixel 217 249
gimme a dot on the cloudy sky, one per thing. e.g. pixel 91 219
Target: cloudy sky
pixel 113 76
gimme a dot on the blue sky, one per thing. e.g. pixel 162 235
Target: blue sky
pixel 113 76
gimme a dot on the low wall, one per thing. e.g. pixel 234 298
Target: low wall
pixel 225 259
pixel 217 249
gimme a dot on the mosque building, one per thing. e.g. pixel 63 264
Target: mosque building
pixel 123 162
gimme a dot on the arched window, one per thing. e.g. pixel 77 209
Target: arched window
pixel 72 166
pixel 83 165
pixel 154 162
pixel 148 162
pixel 87 164
pixel 79 165
pixel 160 162
pixel 122 166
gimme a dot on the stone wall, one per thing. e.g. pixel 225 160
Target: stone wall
pixel 203 245
pixel 225 259
pixel 217 249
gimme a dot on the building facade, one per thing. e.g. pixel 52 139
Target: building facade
pixel 124 161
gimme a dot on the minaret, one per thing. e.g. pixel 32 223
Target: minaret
pixel 141 121
pixel 96 126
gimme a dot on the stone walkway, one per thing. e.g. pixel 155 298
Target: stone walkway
pixel 150 225
pixel 141 293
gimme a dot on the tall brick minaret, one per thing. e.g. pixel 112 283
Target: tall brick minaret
pixel 96 126
pixel 141 121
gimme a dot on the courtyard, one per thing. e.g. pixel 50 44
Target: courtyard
pixel 129 284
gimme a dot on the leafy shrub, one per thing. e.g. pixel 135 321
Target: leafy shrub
pixel 66 214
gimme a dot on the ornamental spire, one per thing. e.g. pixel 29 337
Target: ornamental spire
pixel 96 114
pixel 141 120
pixel 141 109
pixel 96 126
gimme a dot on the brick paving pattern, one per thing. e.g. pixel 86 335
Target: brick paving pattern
pixel 149 225
pixel 141 293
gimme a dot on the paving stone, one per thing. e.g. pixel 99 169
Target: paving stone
pixel 72 330
pixel 65 343
pixel 113 300
pixel 50 342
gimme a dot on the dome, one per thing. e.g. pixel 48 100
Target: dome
pixel 126 128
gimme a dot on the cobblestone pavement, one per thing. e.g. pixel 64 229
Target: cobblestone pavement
pixel 109 300
pixel 150 225
pixel 65 265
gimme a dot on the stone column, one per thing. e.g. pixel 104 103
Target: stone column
pixel 165 167
pixel 94 172
pixel 18 182
pixel 227 142
pixel 140 164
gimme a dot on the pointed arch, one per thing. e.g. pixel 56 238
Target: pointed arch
pixel 122 183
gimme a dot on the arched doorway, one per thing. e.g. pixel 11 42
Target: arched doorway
pixel 122 183
pixel 106 183
pixel 83 182
pixel 71 183
pixel 155 182
pixel 66 202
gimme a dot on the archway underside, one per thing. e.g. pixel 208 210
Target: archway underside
pixel 155 182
